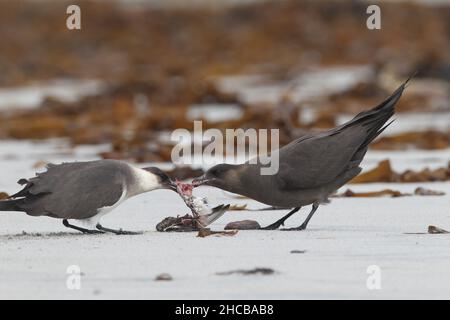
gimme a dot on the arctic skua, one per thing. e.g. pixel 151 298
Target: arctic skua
pixel 84 192
pixel 310 168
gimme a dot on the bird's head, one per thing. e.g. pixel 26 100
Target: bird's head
pixel 221 176
pixel 163 181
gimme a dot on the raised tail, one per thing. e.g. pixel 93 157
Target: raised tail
pixel 384 110
pixel 391 101
pixel 374 120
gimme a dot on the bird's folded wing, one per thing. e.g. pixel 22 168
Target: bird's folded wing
pixel 75 190
pixel 45 182
pixel 316 160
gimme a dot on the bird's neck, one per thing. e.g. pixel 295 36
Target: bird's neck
pixel 144 181
pixel 233 180
pixel 248 181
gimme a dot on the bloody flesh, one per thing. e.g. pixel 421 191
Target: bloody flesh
pixel 185 189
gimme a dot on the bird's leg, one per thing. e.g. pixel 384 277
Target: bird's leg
pixel 87 231
pixel 280 222
pixel 305 223
pixel 117 232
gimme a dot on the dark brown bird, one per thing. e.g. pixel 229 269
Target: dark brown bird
pixel 310 168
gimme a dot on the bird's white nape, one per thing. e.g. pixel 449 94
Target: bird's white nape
pixel 146 181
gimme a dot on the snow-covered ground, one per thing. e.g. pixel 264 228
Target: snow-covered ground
pixel 344 239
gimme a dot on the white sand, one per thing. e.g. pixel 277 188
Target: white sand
pixel 344 238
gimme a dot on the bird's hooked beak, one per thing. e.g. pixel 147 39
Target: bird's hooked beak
pixel 201 180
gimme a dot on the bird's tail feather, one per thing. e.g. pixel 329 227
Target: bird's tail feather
pixel 383 111
pixel 374 120
pixel 390 102
pixel 375 132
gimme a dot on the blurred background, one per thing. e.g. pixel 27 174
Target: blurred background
pixel 137 70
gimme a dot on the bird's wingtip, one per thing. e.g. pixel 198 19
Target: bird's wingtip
pixel 405 84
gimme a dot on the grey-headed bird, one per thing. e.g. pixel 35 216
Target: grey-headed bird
pixel 84 191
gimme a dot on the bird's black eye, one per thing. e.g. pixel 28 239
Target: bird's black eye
pixel 218 171
pixel 163 177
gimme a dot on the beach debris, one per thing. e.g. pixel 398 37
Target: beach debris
pixel 419 191
pixel 237 207
pixel 4 195
pixel 189 222
pixel 163 277
pixel 372 194
pixel 246 272
pixel 201 217
pixel 298 251
pixel 428 192
pixel 425 140
pixel 431 230
pixel 243 225
pixel 206 232
pixel 436 230
pixel 426 175
pixel 185 223
pixel 384 173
